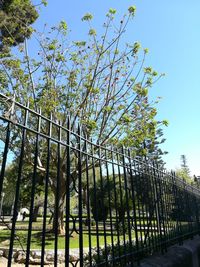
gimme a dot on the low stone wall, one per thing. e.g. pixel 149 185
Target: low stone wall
pixel 186 255
pixel 19 256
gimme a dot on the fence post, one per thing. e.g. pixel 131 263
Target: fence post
pixel 103 200
pixel 33 188
pixel 177 203
pixel 161 198
pixel 127 203
pixel 5 153
pixel 80 200
pixel 46 189
pixel 67 234
pixel 157 199
pixel 88 201
pixel 95 199
pixel 134 208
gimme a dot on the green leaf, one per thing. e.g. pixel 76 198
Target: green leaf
pixel 126 118
pixel 44 2
pixel 94 90
pixel 112 11
pixel 80 43
pixel 108 108
pixel 52 46
pixel 148 70
pixel 136 47
pixel 87 17
pixel 154 73
pixel 132 10
pixel 63 25
pixel 92 32
pixel 165 122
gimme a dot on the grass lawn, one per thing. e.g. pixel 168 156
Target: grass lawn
pixel 36 239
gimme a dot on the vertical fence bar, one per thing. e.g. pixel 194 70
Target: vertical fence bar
pixel 33 189
pixel 117 212
pixel 170 206
pixel 80 200
pixel 152 210
pixel 5 153
pixel 88 202
pixel 178 208
pixel 143 188
pixel 109 203
pixel 147 225
pixel 138 201
pixel 68 177
pixel 57 220
pixel 192 207
pixel 174 206
pixel 95 200
pixel 21 158
pixel 166 207
pixel 197 224
pixel 103 204
pixel 157 206
pixel 188 207
pixel 134 208
pixel 127 203
pixel 197 214
pixel 162 214
pixel 46 189
pixel 152 231
pixel 143 185
pixel 119 165
pixel 174 223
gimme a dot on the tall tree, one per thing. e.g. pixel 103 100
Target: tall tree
pixel 98 82
pixel 16 18
pixel 184 165
pixel 184 171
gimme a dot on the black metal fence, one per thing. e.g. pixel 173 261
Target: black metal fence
pixel 94 205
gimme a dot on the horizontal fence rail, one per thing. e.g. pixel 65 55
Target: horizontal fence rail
pixel 73 201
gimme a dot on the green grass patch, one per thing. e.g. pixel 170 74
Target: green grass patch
pixel 36 239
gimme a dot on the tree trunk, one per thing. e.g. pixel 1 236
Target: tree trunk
pixel 58 219
pixel 58 214
pixel 35 213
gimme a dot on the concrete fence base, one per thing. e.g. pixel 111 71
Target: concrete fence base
pixel 187 255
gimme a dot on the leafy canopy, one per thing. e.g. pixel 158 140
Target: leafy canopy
pixel 99 82
pixel 16 18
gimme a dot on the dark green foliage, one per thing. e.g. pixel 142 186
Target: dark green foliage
pixel 143 186
pixel 16 17
pixel 25 188
pixel 99 197
pixel 108 196
pixel 128 252
pixel 183 212
pixel 184 165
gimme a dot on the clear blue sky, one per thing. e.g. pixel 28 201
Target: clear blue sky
pixel 171 31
